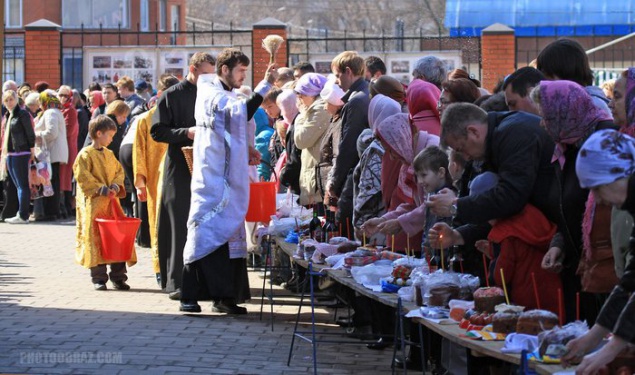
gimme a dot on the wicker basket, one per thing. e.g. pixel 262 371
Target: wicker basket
pixel 188 152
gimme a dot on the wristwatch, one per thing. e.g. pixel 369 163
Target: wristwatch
pixel 453 209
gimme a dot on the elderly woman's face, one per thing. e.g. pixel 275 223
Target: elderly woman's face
pixel 33 107
pixel 65 96
pixel 612 194
pixel 618 103
pixel 305 100
pixel 332 109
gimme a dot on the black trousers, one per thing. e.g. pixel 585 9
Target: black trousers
pixel 49 207
pixel 216 277
pixel 140 209
pixel 9 199
pixel 99 273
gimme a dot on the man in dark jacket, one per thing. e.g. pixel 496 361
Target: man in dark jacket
pixel 348 68
pixel 514 146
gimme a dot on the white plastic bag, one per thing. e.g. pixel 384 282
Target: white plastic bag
pixel 370 274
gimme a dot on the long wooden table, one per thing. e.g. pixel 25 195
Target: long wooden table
pixel 451 332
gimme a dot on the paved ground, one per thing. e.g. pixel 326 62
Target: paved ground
pixel 52 321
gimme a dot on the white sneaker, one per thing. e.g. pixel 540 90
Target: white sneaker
pixel 16 220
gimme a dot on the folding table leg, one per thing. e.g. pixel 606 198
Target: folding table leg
pixel 313 338
pixel 295 328
pixel 264 281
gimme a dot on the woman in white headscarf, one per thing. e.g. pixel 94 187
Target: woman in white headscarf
pixel 606 165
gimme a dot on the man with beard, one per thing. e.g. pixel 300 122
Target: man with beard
pixel 174 124
pixel 215 252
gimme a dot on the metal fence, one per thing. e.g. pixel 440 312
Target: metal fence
pixel 303 48
pixel 74 41
pixel 605 63
pixel 13 56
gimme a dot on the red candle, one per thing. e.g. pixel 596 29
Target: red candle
pixel 577 306
pixel 348 228
pixel 533 280
pixel 461 264
pixel 560 307
pixel 340 229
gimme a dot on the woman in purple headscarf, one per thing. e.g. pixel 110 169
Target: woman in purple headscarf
pixel 310 127
pixel 570 117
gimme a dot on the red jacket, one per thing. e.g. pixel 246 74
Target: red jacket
pixel 72 130
pixel 524 239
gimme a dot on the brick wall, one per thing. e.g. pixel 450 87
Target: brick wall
pixel 260 57
pixel 42 57
pixel 498 54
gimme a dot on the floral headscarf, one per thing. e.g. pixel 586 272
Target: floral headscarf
pixel 396 132
pixel 568 113
pixel 49 100
pixel 605 157
pixel 380 108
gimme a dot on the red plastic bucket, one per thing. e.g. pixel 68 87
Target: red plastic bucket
pixel 117 235
pixel 262 201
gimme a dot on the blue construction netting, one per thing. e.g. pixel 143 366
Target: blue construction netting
pixel 542 17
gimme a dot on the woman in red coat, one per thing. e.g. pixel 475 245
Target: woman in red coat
pixel 65 95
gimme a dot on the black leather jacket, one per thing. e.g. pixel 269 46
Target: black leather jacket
pixel 22 136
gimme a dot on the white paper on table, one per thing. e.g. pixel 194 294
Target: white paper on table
pixel 373 287
pixel 418 314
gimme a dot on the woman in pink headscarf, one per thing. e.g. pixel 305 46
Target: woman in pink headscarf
pixel 402 141
pixel 290 173
pixel 570 117
pixel 96 99
pixel 422 98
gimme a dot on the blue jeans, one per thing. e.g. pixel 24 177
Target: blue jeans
pixel 18 167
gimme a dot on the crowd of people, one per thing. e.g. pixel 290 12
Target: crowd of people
pixel 535 176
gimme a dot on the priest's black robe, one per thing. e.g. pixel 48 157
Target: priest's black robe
pixel 170 124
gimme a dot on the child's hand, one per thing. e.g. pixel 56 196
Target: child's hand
pixel 142 194
pixel 389 227
pixel 103 191
pixel 440 235
pixel 370 226
pixel 552 260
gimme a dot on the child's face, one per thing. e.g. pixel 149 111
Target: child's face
pixel 271 109
pixel 430 180
pixel 103 139
pixel 455 170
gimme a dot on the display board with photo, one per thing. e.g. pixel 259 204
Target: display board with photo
pixel 105 65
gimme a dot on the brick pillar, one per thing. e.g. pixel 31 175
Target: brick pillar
pixel 42 42
pixel 260 58
pixel 498 54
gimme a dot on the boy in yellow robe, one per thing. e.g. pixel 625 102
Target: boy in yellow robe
pixel 99 177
